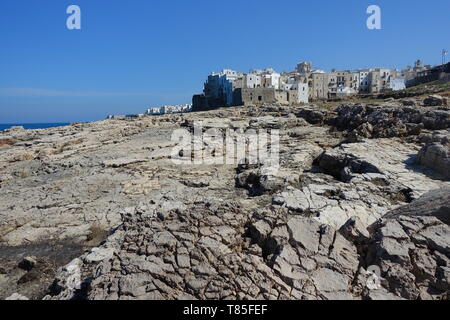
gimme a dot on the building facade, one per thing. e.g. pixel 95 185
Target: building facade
pixel 304 67
pixel 232 88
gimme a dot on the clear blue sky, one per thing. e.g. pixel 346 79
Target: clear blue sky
pixel 130 55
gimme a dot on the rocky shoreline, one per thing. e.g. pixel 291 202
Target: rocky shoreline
pixel 99 210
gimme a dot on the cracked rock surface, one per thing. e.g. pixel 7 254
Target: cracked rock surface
pixel 100 210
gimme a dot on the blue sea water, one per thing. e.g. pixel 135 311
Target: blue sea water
pixel 33 125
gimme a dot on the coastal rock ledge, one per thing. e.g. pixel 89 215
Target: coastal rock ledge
pixel 358 208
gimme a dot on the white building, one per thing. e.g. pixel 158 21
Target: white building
pixel 343 92
pixel 271 80
pixel 397 84
pixel 169 109
pixel 252 80
pixel 299 93
pixel 231 75
pixel 364 80
pixel 154 111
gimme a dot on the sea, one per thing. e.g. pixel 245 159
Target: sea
pixel 31 126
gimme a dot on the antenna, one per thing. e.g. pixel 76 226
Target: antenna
pixel 444 54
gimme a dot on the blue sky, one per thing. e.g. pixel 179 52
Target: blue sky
pixel 130 55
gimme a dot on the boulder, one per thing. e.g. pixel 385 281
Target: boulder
pixel 433 204
pixel 437 157
pixel 434 100
pixel 409 103
pixel 412 247
pixel 28 263
pixel 344 165
pixel 311 116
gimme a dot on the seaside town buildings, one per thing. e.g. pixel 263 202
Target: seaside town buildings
pixel 155 111
pixel 428 74
pixel 168 109
pixel 304 84
pixel 232 88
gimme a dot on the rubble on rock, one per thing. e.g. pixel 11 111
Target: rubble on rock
pixel 434 101
pixel 389 121
pixel 412 248
pixel 436 153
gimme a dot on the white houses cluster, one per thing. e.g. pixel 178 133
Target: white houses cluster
pixel 304 84
pixel 155 111
pixel 233 88
pixel 168 109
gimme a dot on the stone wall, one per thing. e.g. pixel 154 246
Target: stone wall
pixel 258 96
